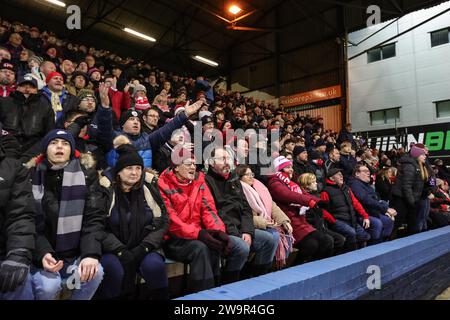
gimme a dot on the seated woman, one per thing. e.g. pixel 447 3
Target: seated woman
pixel 196 233
pixel 312 244
pixel 266 214
pixel 68 221
pixel 316 216
pixel 440 205
pixel 135 222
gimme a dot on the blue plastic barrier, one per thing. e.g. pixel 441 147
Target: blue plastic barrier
pixel 341 277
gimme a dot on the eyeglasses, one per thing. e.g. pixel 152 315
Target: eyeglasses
pixel 250 174
pixel 189 164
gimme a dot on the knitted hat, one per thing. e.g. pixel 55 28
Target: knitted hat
pixel 141 103
pixel 128 156
pixel 180 154
pixel 139 87
pixel 86 93
pixel 127 115
pixel 52 75
pixel 6 64
pixel 58 134
pixel 415 151
pixel 280 163
pixel 38 59
pixel 297 150
pixel 92 70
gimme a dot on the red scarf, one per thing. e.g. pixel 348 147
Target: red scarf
pixel 287 181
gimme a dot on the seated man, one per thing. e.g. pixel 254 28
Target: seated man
pixel 341 214
pixel 381 216
pixel 196 232
pixel 237 215
pixel 69 221
pixel 17 229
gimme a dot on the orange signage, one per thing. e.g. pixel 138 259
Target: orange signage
pixel 311 96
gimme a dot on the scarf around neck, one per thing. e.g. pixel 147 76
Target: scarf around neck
pixel 259 200
pixel 71 205
pixel 293 187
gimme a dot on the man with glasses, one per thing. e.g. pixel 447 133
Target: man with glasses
pixel 237 215
pixel 380 215
pixel 150 118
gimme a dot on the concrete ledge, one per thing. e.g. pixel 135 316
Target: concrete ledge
pixel 341 277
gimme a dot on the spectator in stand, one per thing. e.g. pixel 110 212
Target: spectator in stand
pixel 316 216
pixel 62 243
pixel 67 69
pixel 136 220
pixel 57 96
pixel 317 164
pixel 120 101
pixel 34 42
pixel 237 215
pixel 161 158
pixel 78 81
pixel 17 222
pixel 4 54
pixel 196 233
pixel 7 78
pixel 381 217
pixel 15 47
pixel 440 206
pixel 384 182
pixel 95 77
pixel 150 118
pixel 347 162
pixel 27 116
pixel 312 243
pixel 153 88
pixel 409 188
pixel 343 210
pixel 346 135
pixel 267 215
pixel 34 64
pixel 443 172
pixel 22 66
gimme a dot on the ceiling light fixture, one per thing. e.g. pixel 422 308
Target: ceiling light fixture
pixel 206 61
pixel 140 35
pixel 234 9
pixel 58 3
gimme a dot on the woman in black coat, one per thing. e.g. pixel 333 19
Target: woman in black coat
pixel 408 189
pixel 135 223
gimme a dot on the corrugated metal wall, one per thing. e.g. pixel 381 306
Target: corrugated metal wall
pixel 331 116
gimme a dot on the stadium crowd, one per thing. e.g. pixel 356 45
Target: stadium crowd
pixel 110 165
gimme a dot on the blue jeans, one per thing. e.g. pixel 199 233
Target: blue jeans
pixel 23 292
pixel 47 285
pixel 351 234
pixel 264 245
pixel 152 269
pixel 380 228
pixel 423 213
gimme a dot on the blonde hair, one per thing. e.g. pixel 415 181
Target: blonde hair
pixel 306 180
pixel 423 171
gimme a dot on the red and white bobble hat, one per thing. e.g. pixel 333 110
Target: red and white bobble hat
pixel 141 103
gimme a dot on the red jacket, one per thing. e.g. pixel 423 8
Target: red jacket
pixel 288 201
pixel 191 208
pixel 120 101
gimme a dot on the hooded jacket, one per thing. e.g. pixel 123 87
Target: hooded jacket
pixel 409 184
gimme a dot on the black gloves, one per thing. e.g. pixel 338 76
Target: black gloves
pixel 322 204
pixel 224 238
pixel 206 237
pixel 140 252
pixel 82 121
pixel 14 270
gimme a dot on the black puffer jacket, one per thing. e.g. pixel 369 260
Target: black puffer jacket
pixel 409 184
pixel 92 227
pixel 231 204
pixel 28 119
pixel 153 229
pixel 17 215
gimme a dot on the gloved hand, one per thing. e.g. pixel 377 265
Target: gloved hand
pixel 206 237
pixel 322 204
pixel 14 270
pixel 82 121
pixel 223 238
pixel 140 252
pixel 129 265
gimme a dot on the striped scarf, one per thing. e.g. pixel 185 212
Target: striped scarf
pixel 71 206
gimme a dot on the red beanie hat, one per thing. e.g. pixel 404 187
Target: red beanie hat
pixel 53 74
